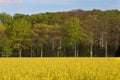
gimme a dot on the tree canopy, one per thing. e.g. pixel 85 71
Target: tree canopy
pixel 71 33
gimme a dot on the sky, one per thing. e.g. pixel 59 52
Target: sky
pixel 41 6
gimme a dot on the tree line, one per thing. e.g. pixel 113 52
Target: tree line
pixel 77 33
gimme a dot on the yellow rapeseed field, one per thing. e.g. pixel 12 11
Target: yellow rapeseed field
pixel 59 69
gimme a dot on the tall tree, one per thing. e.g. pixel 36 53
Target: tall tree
pixel 40 35
pixel 72 33
pixel 20 31
pixel 56 38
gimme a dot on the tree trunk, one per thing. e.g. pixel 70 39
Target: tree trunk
pixel 31 51
pixel 91 51
pixel 53 44
pixel 75 50
pixel 36 51
pixel 106 49
pixel 58 53
pixel 59 48
pixel 20 51
pixel 42 51
pixel 60 44
pixel 5 54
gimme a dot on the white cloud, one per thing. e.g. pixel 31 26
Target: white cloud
pixel 10 1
